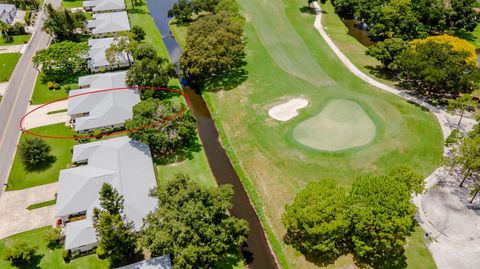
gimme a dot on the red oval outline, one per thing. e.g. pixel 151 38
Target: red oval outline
pixel 187 99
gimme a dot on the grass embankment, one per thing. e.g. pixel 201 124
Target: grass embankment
pixel 288 58
pixel 68 4
pixel 42 94
pixel 48 258
pixel 22 178
pixel 17 40
pixel 7 64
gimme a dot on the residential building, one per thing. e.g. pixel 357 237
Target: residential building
pixel 104 80
pixel 108 24
pixel 97 59
pixel 102 6
pixel 125 164
pixel 93 108
pixel 162 262
pixel 7 13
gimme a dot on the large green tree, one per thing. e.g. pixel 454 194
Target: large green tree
pixel 381 216
pixel 192 224
pixel 165 137
pixel 151 72
pixel 215 46
pixel 465 156
pixel 387 51
pixel 34 151
pixel 21 255
pixel 63 24
pixel 436 69
pixel 182 11
pixel 317 223
pixel 62 60
pixel 116 235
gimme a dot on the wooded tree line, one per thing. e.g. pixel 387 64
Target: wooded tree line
pixel 437 67
pixel 410 19
pixel 372 221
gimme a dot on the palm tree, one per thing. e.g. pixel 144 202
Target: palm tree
pixel 4 29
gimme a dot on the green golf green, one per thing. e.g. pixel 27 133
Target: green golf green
pixel 341 125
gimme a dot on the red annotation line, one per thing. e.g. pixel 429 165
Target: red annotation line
pixel 187 99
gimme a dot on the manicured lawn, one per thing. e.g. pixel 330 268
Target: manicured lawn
pixel 48 258
pixel 17 40
pixel 475 40
pixel 20 178
pixel 7 64
pixel 42 95
pixel 179 32
pixel 42 204
pixel 417 253
pixel 68 4
pixel 140 16
pixel 288 58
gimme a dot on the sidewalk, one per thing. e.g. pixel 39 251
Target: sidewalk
pixel 12 49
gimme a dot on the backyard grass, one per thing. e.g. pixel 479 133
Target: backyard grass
pixel 179 31
pixel 17 40
pixel 42 204
pixel 7 64
pixel 288 58
pixel 48 258
pixel 42 94
pixel 21 178
pixel 140 16
pixel 68 4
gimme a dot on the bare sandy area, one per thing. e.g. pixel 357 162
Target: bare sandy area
pixel 287 110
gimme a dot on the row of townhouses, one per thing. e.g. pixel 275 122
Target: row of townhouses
pixel 124 163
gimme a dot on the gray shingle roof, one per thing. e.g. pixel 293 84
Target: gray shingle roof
pixel 113 22
pixel 104 5
pixel 97 50
pixel 104 108
pixel 125 164
pixel 104 81
pixel 162 262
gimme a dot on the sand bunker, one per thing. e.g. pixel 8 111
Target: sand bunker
pixel 341 125
pixel 288 110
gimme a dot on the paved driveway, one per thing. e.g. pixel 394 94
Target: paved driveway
pixel 41 117
pixel 15 218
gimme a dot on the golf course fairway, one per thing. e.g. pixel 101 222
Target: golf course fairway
pixel 287 58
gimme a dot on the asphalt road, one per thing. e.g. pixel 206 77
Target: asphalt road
pixel 16 100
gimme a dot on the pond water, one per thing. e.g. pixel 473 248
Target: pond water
pixel 256 251
pixel 355 29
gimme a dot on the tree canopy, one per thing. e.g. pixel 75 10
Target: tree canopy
pixel 150 72
pixel 461 104
pixel 408 19
pixel 116 236
pixel 170 137
pixel 62 60
pixel 372 221
pixel 63 24
pixel 192 224
pixel 34 151
pixel 437 70
pixel 21 254
pixel 317 223
pixel 215 46
pixel 387 51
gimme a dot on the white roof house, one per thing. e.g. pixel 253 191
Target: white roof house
pixel 104 80
pixel 99 6
pixel 7 13
pixel 125 164
pixel 107 109
pixel 162 262
pixel 108 23
pixel 97 58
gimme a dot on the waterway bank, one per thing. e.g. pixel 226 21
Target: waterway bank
pixel 257 251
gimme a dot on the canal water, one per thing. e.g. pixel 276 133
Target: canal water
pixel 256 252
